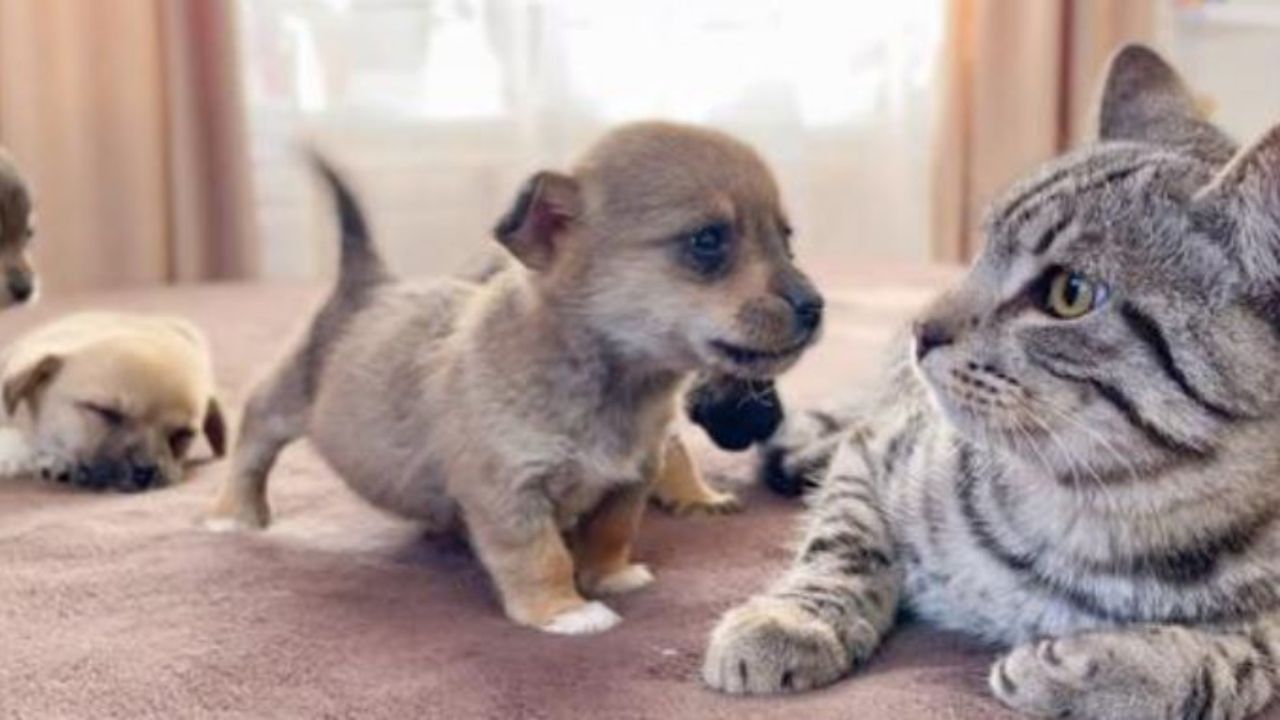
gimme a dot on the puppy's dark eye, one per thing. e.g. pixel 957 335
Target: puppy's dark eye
pixel 110 416
pixel 180 441
pixel 707 249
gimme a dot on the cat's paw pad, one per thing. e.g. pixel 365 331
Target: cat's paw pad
pixel 628 579
pixel 586 619
pixel 1055 677
pixel 772 646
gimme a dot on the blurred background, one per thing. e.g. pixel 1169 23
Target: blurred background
pixel 162 136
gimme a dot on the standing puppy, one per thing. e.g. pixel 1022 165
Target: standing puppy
pixel 534 409
pixel 17 279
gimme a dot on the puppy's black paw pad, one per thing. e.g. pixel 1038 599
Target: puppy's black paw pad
pixel 787 482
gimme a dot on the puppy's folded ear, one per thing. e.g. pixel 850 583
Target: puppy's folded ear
pixel 23 382
pixel 545 206
pixel 215 427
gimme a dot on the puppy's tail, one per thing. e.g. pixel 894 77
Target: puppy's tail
pixel 359 264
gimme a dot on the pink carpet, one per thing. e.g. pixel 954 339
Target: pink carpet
pixel 115 606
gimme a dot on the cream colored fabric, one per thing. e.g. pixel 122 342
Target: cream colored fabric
pixel 125 116
pixel 1018 86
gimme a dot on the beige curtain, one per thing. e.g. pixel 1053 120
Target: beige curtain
pixel 1019 83
pixel 127 118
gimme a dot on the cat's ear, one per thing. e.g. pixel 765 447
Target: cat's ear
pixel 1144 100
pixel 1243 205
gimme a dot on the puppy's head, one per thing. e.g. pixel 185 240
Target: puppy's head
pixel 670 242
pixel 121 412
pixel 17 226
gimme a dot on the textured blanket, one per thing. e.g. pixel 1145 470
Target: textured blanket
pixel 119 606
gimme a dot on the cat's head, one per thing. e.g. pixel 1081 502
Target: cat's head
pixel 1125 310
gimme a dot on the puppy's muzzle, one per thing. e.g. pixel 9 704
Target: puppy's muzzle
pixel 21 284
pixel 110 475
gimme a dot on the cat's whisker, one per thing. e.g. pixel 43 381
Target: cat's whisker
pixel 1096 437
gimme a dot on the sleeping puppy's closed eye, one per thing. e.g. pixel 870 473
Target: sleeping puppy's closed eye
pixel 17 228
pixel 109 401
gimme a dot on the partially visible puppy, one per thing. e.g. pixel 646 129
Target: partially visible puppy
pixel 17 226
pixel 535 409
pixel 108 401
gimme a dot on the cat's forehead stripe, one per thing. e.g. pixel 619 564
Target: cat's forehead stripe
pixel 1051 195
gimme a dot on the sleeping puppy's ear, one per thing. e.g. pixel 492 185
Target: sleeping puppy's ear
pixel 215 427
pixel 24 381
pixel 546 204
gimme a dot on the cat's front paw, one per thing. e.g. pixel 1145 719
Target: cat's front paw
pixel 1075 677
pixel 771 646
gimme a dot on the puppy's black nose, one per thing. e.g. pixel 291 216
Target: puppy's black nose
pixel 809 312
pixel 144 476
pixel 20 286
pixel 931 335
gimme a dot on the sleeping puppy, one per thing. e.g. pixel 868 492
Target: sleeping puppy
pixel 108 401
pixel 17 226
pixel 534 410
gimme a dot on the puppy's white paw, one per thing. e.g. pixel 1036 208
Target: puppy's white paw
pixel 223 522
pixel 237 516
pixel 716 503
pixel 628 579
pixel 586 619
pixel 226 525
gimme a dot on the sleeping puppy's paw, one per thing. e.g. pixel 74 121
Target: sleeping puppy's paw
pixel 773 646
pixel 586 619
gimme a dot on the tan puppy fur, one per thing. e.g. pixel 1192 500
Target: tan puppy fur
pixel 534 409
pixel 17 227
pixel 680 488
pixel 105 400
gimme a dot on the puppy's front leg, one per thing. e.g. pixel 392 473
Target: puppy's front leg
pixel 602 544
pixel 681 489
pixel 531 565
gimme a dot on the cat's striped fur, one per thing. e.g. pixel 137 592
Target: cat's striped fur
pixel 1102 494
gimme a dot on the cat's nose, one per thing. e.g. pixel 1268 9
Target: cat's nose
pixel 931 335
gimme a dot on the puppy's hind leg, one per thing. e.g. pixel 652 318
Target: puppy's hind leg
pixel 602 545
pixel 275 415
pixel 681 489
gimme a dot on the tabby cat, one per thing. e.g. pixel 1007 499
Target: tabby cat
pixel 1077 453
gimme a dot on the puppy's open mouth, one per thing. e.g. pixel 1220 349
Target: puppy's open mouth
pixel 745 356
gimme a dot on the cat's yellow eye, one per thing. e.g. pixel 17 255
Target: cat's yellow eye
pixel 1071 295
